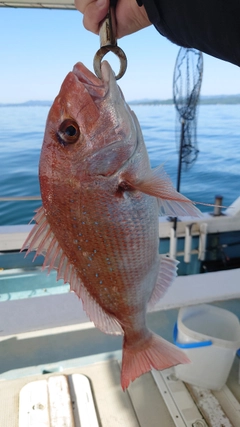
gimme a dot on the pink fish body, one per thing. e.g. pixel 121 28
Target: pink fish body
pixel 98 226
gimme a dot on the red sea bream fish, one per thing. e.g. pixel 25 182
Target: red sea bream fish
pixel 98 226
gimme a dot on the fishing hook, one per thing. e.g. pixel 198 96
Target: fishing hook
pixel 108 43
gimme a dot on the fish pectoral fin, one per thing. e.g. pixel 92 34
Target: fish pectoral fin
pixel 158 184
pixel 166 275
pixel 42 240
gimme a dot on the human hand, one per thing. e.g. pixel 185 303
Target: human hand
pixel 129 16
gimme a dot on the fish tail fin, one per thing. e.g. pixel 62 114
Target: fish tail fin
pixel 155 353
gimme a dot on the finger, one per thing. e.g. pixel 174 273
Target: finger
pixel 82 4
pixel 94 12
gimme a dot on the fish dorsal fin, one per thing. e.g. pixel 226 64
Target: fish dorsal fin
pixel 166 275
pixel 157 183
pixel 42 240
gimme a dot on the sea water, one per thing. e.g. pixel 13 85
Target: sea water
pixel 216 170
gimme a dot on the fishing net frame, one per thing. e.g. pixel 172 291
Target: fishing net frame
pixel 187 80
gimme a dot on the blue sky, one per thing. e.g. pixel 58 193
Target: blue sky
pixel 39 47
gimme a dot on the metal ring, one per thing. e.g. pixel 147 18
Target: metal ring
pixel 102 52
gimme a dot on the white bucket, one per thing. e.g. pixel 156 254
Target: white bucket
pixel 210 337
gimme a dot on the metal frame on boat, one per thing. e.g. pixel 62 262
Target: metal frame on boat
pixel 46 4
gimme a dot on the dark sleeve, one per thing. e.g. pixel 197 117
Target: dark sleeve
pixel 212 26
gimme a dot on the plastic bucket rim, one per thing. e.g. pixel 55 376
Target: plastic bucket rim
pixel 199 337
pixel 189 345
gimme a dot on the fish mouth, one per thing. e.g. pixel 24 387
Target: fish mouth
pixel 97 88
pixel 120 142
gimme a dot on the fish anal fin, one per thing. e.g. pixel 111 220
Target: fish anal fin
pixel 166 275
pixel 42 240
pixel 102 320
pixel 155 353
pixel 158 184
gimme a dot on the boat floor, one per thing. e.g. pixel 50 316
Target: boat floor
pixel 155 399
pixel 70 377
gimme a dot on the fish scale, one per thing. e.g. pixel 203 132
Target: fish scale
pixel 98 226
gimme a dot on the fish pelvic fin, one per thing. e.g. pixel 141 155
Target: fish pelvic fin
pixel 155 353
pixel 42 240
pixel 157 183
pixel 166 275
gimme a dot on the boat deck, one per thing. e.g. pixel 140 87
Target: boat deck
pixel 90 396
pixel 41 380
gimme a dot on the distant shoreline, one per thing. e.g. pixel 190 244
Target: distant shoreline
pixel 204 100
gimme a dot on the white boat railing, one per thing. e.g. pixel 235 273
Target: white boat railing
pixel 188 228
pixel 12 237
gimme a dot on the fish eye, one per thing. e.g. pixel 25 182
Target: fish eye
pixel 68 132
